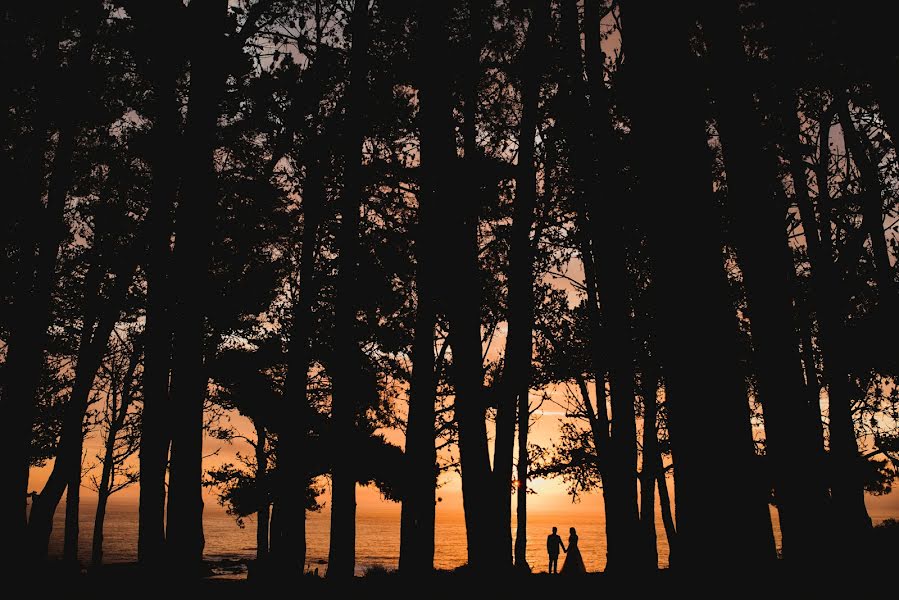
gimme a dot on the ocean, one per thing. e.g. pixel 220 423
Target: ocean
pixel 377 537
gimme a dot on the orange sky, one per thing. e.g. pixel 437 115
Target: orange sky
pixel 550 495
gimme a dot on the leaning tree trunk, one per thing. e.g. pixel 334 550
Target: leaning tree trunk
pixel 767 267
pixel 102 501
pixel 872 205
pixel 347 366
pixel 66 472
pixel 702 378
pixel 195 218
pixel 79 401
pixel 44 505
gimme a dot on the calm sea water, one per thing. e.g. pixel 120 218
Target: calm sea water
pixel 377 538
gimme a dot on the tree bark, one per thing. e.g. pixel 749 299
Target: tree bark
pixel 195 218
pixel 688 269
pixel 347 366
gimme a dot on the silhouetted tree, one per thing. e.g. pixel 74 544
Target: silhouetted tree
pixel 120 423
pixel 693 302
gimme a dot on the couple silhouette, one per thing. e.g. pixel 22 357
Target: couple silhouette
pixel 574 562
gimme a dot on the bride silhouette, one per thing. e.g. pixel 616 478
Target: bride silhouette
pixel 574 562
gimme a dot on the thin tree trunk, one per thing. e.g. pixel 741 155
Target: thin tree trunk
pixel 688 269
pixel 667 516
pixel 872 204
pixel 262 514
pixel 196 208
pixel 107 475
pixel 102 500
pixel 517 372
pixel 820 280
pixel 575 94
pixel 348 369
pixel 650 467
pixel 276 534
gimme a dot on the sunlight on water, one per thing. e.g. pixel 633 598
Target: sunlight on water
pixel 377 540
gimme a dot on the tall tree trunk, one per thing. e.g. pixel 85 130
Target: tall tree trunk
pixel 43 229
pixel 574 94
pixel 418 511
pixel 510 385
pixel 519 343
pixel 348 369
pixel 767 269
pixel 609 222
pixel 164 69
pixel 288 539
pixel 195 218
pixel 688 269
pixel 846 487
pixel 847 490
pixel 486 532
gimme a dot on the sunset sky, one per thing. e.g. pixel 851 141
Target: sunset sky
pixel 550 496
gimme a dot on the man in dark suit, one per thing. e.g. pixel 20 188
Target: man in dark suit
pixel 553 543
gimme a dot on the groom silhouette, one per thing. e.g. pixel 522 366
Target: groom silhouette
pixel 553 542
